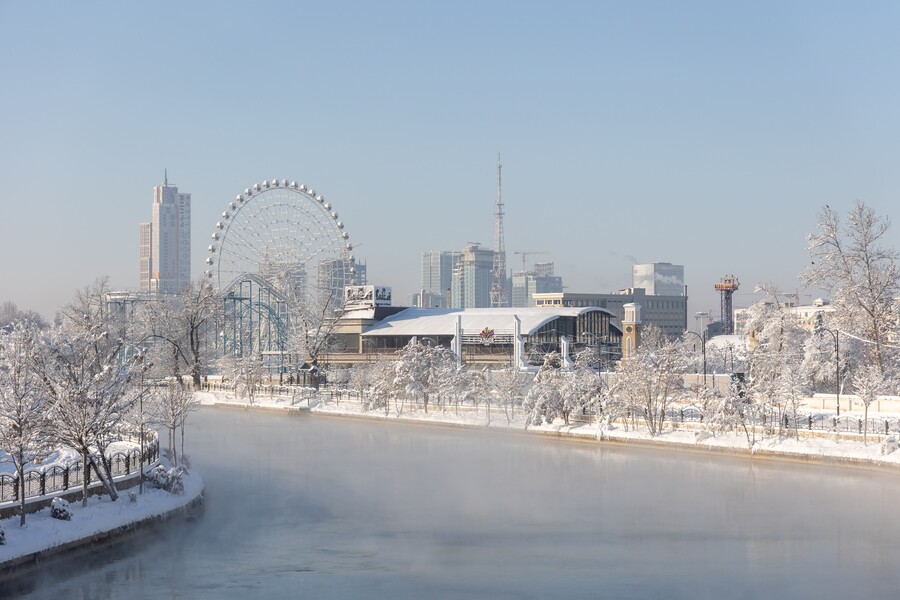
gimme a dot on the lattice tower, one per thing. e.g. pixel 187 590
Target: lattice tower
pixel 498 279
pixel 726 288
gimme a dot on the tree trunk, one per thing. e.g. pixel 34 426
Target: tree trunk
pixel 105 477
pixel 173 446
pixel 20 471
pixel 86 474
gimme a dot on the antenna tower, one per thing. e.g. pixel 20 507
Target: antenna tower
pixel 498 279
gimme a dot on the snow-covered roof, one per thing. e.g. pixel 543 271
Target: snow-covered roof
pixel 442 321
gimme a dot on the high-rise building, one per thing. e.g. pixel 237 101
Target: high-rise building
pixel 437 272
pixel 165 242
pixel 659 279
pixel 470 286
pixel 538 281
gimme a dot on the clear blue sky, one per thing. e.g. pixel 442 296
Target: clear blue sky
pixel 707 134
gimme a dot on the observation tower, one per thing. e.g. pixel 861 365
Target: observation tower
pixel 726 288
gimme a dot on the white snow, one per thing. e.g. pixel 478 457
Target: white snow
pixel 42 532
pixel 842 447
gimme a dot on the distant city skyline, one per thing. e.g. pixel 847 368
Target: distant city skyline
pixel 708 136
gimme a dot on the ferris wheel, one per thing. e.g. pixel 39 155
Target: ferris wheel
pixel 287 235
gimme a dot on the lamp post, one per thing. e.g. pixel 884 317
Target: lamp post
pixel 837 364
pixel 144 367
pixel 702 339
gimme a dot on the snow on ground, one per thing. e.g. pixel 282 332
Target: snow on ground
pixel 41 531
pixel 843 447
pixel 62 457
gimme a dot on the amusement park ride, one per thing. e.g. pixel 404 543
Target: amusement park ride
pixel 279 260
pixel 727 287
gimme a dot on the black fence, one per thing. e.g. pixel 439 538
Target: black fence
pixel 808 422
pixel 41 481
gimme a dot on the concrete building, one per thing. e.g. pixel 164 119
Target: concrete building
pixel 540 280
pixel 470 284
pixel 165 242
pixel 669 313
pixel 437 273
pixel 658 279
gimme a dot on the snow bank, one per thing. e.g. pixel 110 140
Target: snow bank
pixel 42 532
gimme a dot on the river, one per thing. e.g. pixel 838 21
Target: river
pixel 323 507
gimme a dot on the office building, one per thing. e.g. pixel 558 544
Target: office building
pixel 437 273
pixel 659 279
pixel 538 281
pixel 470 284
pixel 165 242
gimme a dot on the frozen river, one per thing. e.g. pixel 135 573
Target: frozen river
pixel 318 507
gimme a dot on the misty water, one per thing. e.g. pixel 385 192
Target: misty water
pixel 320 507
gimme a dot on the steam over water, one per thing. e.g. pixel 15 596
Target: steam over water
pixel 318 507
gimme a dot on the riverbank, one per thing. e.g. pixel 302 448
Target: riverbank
pixel 102 522
pixel 840 449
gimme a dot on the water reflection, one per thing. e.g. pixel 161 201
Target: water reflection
pixel 316 506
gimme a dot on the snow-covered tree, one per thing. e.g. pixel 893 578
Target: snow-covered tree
pixel 725 354
pixel 544 402
pixel 651 379
pixel 582 388
pixel 90 380
pixel 361 378
pixel 853 263
pixel 169 407
pixel 244 373
pixel 774 379
pixel 422 370
pixel 175 325
pixel 10 313
pixel 819 366
pixel 509 386
pixel 312 324
pixel 23 404
pixel 869 383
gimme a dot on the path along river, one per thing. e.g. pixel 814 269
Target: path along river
pixel 323 507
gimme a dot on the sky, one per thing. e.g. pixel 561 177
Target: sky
pixel 705 134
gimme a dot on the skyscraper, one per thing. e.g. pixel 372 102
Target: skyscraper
pixel 165 242
pixel 437 272
pixel 470 286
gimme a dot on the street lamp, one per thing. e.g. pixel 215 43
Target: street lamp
pixel 837 362
pixel 144 366
pixel 702 339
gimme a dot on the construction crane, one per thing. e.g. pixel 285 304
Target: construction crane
pixel 525 255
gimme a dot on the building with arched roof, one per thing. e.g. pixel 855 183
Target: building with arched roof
pixel 483 336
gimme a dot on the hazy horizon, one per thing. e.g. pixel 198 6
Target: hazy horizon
pixel 694 133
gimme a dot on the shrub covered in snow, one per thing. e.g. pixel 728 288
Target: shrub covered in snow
pixel 890 444
pixel 167 479
pixel 59 509
pixel 2 535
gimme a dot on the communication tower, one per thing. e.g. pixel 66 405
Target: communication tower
pixel 726 288
pixel 498 279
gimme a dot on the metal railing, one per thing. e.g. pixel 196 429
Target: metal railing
pixel 42 481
